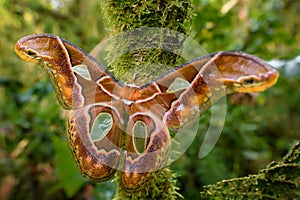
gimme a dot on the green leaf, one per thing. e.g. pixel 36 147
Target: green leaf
pixel 70 178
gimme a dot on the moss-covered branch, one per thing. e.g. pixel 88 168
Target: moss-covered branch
pixel 144 63
pixel 280 180
pixel 124 16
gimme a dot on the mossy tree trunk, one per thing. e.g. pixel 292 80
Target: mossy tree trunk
pixel 125 16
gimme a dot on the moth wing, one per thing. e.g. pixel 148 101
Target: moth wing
pixel 73 72
pixel 198 83
pixel 95 135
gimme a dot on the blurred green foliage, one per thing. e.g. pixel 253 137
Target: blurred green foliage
pixel 35 162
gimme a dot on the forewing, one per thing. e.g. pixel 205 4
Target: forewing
pixel 200 82
pixel 73 72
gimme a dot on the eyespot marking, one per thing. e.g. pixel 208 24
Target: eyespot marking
pixel 31 53
pixel 101 126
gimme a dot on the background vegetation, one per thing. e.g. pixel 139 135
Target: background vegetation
pixel 35 162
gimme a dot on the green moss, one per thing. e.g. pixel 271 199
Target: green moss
pixel 129 15
pixel 280 180
pixel 143 58
pixel 294 155
pixel 160 186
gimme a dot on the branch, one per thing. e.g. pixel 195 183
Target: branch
pixel 279 180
